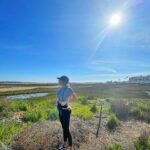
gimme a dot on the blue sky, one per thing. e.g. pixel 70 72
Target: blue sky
pixel 43 39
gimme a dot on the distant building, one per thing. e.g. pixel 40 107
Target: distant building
pixel 140 79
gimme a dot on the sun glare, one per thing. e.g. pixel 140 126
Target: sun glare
pixel 115 19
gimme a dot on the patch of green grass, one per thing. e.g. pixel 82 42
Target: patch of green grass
pixel 114 147
pixel 82 112
pixel 141 111
pixel 32 116
pixel 143 142
pixel 8 130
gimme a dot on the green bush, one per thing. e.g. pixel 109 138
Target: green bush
pixel 19 106
pixel 143 142
pixel 93 108
pixel 112 122
pixel 114 147
pixel 52 114
pixel 140 114
pixel 144 107
pixel 83 100
pixel 32 116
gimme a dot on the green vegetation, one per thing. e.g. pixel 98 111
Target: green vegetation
pixel 52 114
pixel 94 108
pixel 35 110
pixel 86 108
pixel 141 110
pixel 114 147
pixel 8 130
pixel 112 121
pixel 143 142
pixel 82 112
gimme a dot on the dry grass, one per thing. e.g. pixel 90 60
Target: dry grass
pixel 19 88
pixel 47 135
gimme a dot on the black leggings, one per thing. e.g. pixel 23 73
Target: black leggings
pixel 64 117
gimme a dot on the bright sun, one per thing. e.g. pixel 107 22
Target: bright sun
pixel 115 19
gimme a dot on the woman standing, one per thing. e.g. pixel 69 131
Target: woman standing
pixel 64 95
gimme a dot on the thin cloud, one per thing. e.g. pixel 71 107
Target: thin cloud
pixel 119 63
pixel 101 68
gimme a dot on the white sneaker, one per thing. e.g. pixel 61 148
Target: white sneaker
pixel 63 147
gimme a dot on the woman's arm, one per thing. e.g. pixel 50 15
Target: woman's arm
pixel 73 97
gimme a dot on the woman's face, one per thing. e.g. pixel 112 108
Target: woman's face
pixel 61 82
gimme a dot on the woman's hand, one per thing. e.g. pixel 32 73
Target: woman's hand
pixel 69 108
pixel 73 97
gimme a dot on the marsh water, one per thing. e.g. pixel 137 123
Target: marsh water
pixel 25 96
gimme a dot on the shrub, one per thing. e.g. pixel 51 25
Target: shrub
pixel 144 107
pixel 93 108
pixel 112 121
pixel 114 147
pixel 32 116
pixel 83 100
pixel 19 106
pixel 52 114
pixel 143 142
pixel 140 114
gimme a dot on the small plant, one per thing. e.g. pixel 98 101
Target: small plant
pixel 112 122
pixel 93 108
pixel 114 147
pixel 143 142
pixel 52 114
pixel 84 101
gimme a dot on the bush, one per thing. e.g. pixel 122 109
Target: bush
pixel 19 106
pixel 114 147
pixel 52 114
pixel 32 116
pixel 93 108
pixel 83 100
pixel 144 107
pixel 140 114
pixel 112 121
pixel 143 142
